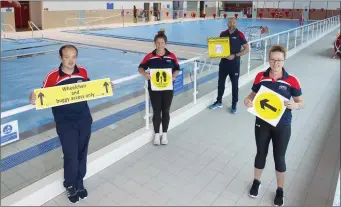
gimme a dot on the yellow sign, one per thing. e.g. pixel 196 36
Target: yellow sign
pixel 72 93
pixel 268 105
pixel 161 79
pixel 218 47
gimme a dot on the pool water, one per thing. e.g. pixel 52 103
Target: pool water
pixel 193 33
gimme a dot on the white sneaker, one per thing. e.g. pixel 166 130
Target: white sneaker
pixel 164 139
pixel 157 139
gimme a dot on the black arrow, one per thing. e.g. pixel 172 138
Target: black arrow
pixel 264 103
pixel 41 95
pixel 106 86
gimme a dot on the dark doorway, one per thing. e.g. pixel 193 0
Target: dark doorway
pixel 202 8
pixel 146 8
pixel 22 15
pixel 156 11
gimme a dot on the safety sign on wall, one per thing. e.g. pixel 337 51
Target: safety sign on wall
pixel 268 105
pixel 9 132
pixel 72 93
pixel 161 79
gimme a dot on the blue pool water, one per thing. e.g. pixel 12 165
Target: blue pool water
pixel 192 33
pixel 21 76
pixel 10 44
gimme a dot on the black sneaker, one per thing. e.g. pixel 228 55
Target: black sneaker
pixel 72 194
pixel 279 200
pixel 255 188
pixel 82 193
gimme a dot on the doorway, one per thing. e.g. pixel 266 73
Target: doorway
pixel 156 11
pixel 22 16
pixel 202 8
pixel 146 8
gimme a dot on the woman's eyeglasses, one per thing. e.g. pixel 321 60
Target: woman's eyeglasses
pixel 274 61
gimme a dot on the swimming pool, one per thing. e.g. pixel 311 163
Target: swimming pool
pixel 192 33
pixel 23 74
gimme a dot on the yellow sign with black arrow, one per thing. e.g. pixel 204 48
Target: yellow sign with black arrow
pixel 268 105
pixel 72 93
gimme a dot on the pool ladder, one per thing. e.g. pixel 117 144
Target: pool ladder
pixel 30 24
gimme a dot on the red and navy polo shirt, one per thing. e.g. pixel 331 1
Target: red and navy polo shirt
pixel 154 61
pixel 287 86
pixel 68 112
pixel 237 40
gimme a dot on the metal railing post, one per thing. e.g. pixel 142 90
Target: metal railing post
pixel 249 61
pixel 195 92
pixel 295 38
pixel 146 97
pixel 266 47
pixel 308 33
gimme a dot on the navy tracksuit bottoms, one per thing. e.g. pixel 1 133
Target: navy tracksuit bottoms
pixel 231 69
pixel 74 137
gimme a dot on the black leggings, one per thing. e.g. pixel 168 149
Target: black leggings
pixel 161 103
pixel 280 136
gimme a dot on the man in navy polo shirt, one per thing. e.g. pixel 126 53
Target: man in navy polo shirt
pixel 277 79
pixel 73 123
pixel 230 66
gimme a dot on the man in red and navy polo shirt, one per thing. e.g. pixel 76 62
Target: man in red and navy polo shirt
pixel 230 66
pixel 73 123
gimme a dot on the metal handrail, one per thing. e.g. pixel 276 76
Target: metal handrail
pixel 88 26
pixel 9 26
pixel 79 19
pixel 32 23
pixel 3 24
pixel 103 18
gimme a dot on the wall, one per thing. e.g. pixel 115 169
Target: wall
pixel 322 10
pixel 311 9
pixel 192 6
pixel 7 17
pixel 210 8
pixel 210 11
pixel 333 9
pixel 73 5
pixel 128 4
pixel 164 9
pixel 89 5
pixel 56 19
pixel 36 13
pixel 55 13
pixel 210 3
pixel 164 14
